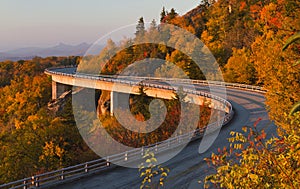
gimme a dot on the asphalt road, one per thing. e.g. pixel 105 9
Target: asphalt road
pixel 188 167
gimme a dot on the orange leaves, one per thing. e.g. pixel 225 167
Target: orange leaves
pixel 255 9
pixel 263 134
pixel 243 5
pixel 140 117
pixel 271 15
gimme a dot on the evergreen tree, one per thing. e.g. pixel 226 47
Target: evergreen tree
pixel 140 28
pixel 141 103
pixel 153 25
pixel 162 15
pixel 172 14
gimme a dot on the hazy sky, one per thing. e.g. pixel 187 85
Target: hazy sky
pixel 48 22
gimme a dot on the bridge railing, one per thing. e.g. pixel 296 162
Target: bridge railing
pixel 127 79
pixel 135 80
pixel 61 175
pixel 146 81
pixel 58 176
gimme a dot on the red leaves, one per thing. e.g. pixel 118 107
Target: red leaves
pixel 256 122
pixel 275 21
pixel 251 144
pixel 145 54
pixel 263 134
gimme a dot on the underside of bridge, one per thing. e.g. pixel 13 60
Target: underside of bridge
pixel 58 89
pixel 112 93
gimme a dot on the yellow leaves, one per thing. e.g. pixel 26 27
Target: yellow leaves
pixel 254 177
pixel 33 119
pixel 142 174
pixel 59 151
pixel 269 34
pixel 206 37
pixel 18 124
pixel 240 68
pixel 150 170
pixel 32 145
pixel 274 68
pixel 273 164
pixel 164 174
pixel 50 151
pixel 237 137
pixel 238 146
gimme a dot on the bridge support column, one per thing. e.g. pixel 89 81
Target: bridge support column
pixel 118 100
pixel 57 89
pixel 112 103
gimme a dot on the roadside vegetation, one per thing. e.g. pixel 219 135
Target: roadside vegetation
pixel 247 39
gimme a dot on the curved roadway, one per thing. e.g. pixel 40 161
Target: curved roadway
pixel 188 167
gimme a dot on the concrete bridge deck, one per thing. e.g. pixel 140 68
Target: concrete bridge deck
pixel 188 167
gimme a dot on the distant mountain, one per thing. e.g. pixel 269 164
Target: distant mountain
pixel 59 50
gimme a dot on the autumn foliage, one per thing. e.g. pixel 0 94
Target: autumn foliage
pixel 245 36
pixel 252 161
pixel 255 160
pixel 33 139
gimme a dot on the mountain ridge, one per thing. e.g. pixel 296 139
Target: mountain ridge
pixel 61 49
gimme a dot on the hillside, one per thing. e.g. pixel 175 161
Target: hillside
pixel 246 38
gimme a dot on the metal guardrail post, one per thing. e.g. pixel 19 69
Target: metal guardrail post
pixel 62 177
pixel 86 167
pixel 35 181
pixel 126 156
pixel 25 184
pixel 107 162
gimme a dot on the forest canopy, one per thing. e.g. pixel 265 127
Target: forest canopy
pixel 246 38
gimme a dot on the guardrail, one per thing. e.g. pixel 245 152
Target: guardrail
pixel 58 176
pixel 113 78
pixel 61 175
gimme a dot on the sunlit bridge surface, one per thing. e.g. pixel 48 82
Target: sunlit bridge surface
pixel 244 105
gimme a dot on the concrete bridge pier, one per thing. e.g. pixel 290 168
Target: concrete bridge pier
pixel 112 96
pixel 58 89
pixel 118 100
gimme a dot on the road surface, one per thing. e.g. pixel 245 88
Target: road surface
pixel 188 167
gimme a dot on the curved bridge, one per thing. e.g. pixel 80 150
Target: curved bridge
pixel 188 167
pixel 131 84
